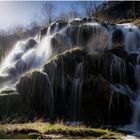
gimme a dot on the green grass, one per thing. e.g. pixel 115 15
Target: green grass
pixel 47 130
pixel 7 91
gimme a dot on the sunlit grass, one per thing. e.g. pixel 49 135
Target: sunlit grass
pixel 45 130
pixel 136 22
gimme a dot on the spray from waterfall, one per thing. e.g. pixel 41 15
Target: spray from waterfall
pixel 25 56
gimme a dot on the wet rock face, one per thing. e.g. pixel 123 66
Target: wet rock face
pixel 70 59
pixel 10 104
pixel 30 44
pixel 78 86
pixel 117 38
pixel 43 32
pixel 102 105
pixel 36 94
pixel 81 33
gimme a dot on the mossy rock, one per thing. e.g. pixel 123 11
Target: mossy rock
pixel 10 104
pixel 115 65
pixel 102 105
pixel 51 93
pixel 70 59
pixel 7 91
pixel 35 89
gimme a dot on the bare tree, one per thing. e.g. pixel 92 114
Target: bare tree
pixel 62 16
pixel 89 7
pixel 48 11
pixel 73 12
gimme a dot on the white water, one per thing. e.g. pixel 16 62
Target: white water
pixel 21 59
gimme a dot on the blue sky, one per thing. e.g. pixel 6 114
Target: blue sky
pixel 23 12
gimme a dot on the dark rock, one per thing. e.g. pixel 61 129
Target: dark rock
pixel 75 22
pixel 73 34
pixel 62 24
pixel 99 104
pixel 85 33
pixel 84 20
pixel 70 59
pixel 43 31
pixel 117 38
pixel 132 57
pixel 81 94
pixel 90 19
pixel 10 104
pixel 36 91
pixel 30 44
pixel 52 27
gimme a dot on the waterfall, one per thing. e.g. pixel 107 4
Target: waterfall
pixel 132 45
pixel 76 91
pixel 78 34
pixel 136 111
pixel 94 37
pixel 50 97
pixel 25 56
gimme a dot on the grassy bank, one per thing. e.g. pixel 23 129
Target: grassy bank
pixel 47 130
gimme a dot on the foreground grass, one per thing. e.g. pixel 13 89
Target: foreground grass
pixel 47 130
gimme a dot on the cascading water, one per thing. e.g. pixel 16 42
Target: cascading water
pixel 26 56
pixel 94 37
pixel 135 126
pixel 76 90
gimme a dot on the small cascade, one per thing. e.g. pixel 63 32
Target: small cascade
pixel 76 91
pixel 78 34
pixel 118 70
pixel 26 55
pixel 99 40
pixel 50 97
pixel 63 78
pixel 136 104
pixel 49 30
pixel 123 89
pixel 135 125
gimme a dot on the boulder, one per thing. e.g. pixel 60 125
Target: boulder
pixel 36 92
pixel 101 105
pixel 30 44
pixel 117 39
pixel 113 65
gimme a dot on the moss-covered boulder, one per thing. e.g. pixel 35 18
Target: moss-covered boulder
pixel 35 89
pixel 67 61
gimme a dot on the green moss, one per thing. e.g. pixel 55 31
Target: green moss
pixel 8 91
pixel 46 130
pixel 70 59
